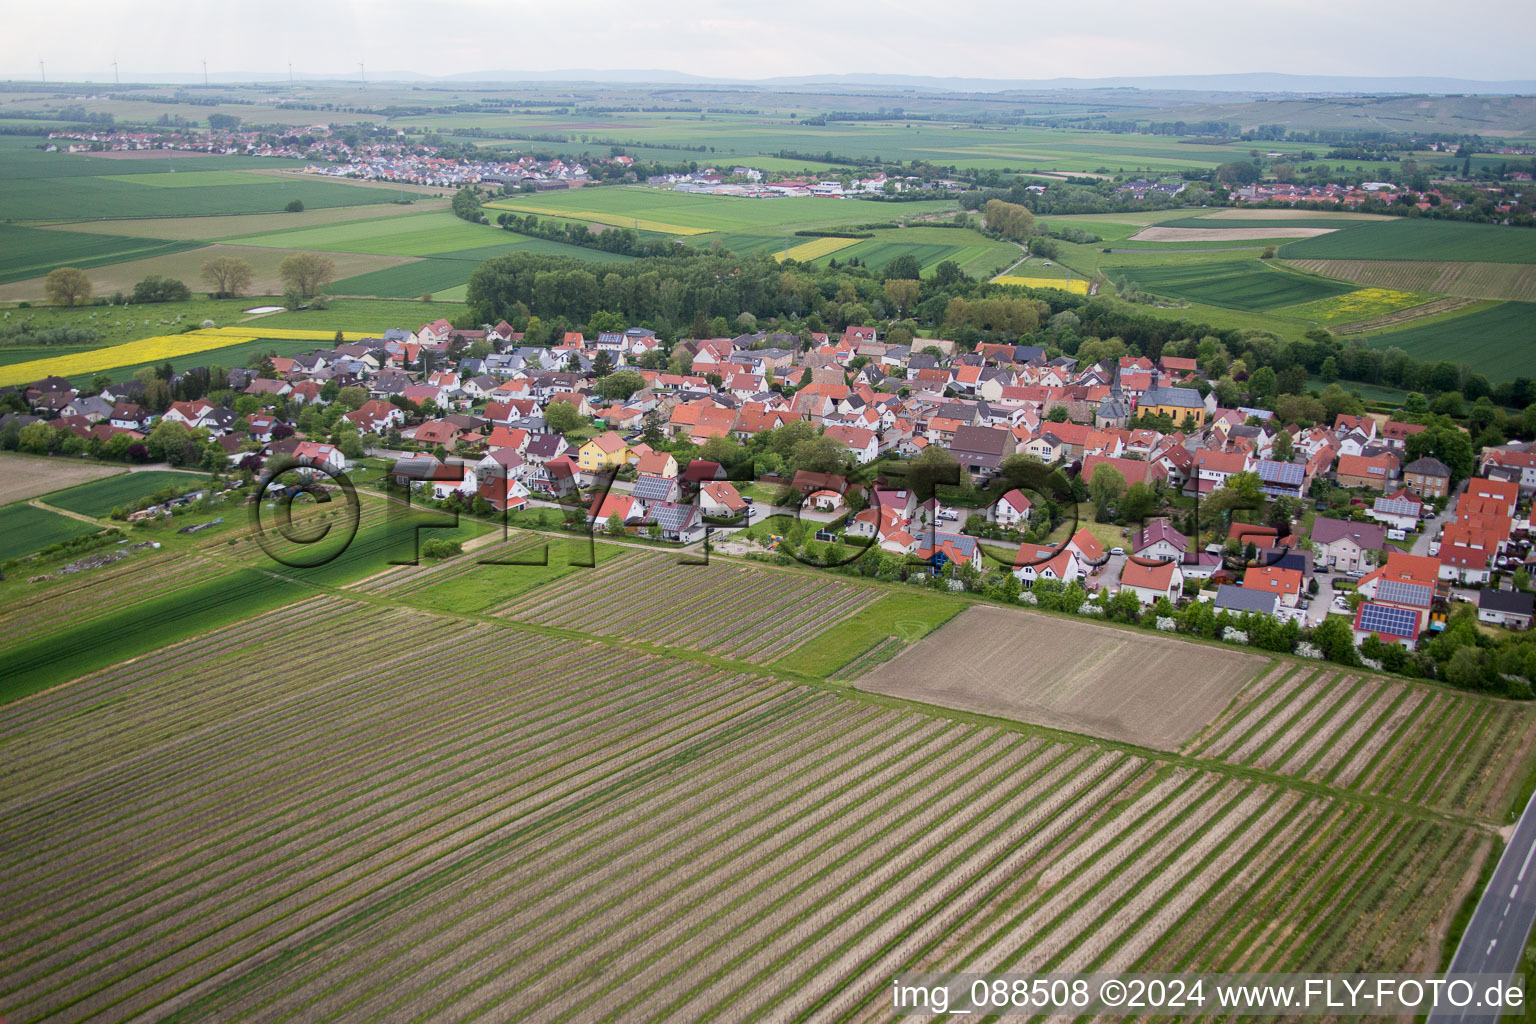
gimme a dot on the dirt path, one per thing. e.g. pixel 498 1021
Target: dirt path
pixel 36 503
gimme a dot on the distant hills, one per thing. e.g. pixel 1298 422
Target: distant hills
pixel 1255 84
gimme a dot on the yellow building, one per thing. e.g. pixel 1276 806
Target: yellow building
pixel 1182 405
pixel 605 451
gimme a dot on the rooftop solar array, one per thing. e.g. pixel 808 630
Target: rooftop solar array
pixel 1379 618
pixel 1399 592
pixel 1396 507
pixel 654 488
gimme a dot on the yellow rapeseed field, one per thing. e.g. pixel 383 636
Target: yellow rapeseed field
pixel 815 249
pixel 145 350
pixel 1078 286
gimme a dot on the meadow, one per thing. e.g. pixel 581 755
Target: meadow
pixel 25 529
pixel 1350 307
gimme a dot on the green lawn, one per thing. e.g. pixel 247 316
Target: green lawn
pixel 376 315
pixel 90 198
pixel 976 254
pixel 910 616
pixel 487 586
pixel 25 530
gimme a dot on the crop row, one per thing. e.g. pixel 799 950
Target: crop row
pixel 720 609
pixel 407 579
pixel 1421 744
pixel 307 785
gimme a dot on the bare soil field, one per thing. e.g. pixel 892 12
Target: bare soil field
pixel 1081 676
pixel 1156 234
pixel 24 477
pixel 187 266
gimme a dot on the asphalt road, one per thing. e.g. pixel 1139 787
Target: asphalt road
pixel 1496 935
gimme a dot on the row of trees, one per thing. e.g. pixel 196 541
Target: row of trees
pixel 303 274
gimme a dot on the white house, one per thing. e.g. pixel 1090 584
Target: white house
pixel 1150 582
pixel 1011 509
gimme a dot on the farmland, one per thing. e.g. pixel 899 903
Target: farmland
pixel 446 814
pixel 25 529
pixel 1472 280
pixel 99 498
pixel 23 476
pixel 1068 675
pixel 696 607
pixel 1355 306
pixel 975 253
pixel 31 252
pixel 1249 285
pixel 185 264
pixel 1412 240
pixel 1415 743
pixel 1496 341
pixel 145 352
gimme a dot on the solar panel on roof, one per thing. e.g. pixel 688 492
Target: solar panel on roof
pixel 1404 593
pixel 1396 507
pixel 654 488
pixel 1379 618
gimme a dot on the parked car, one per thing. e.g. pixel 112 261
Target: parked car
pixel 748 499
pixel 1117 551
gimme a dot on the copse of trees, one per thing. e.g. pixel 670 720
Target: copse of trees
pixel 466 206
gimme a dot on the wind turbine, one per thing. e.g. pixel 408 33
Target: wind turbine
pixel 43 71
pixel 290 74
pixel 205 74
pixel 362 74
pixel 115 79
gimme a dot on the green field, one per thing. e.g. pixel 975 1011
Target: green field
pixel 1250 285
pixel 908 616
pixel 25 530
pixel 1496 342
pixel 1414 239
pixel 77 198
pixel 976 254
pixel 31 252
pixel 99 497
pixel 376 315
pixel 228 356
pixel 187 179
pixel 622 206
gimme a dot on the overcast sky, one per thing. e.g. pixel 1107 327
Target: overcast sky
pixel 737 39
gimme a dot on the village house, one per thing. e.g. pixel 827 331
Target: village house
pixel 1150 582
pixel 1348 546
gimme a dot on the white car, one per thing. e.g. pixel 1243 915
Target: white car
pixel 1117 551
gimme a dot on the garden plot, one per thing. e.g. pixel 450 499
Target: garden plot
pixel 755 614
pixel 1081 676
